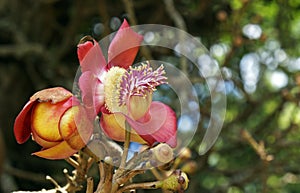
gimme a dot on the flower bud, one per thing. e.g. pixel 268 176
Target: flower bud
pixel 177 182
pixel 59 127
pixel 162 153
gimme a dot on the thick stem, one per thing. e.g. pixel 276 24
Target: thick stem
pixel 145 185
pixel 121 169
pixel 108 170
pixel 90 185
pixel 126 145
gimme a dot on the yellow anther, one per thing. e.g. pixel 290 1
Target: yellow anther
pixel 112 89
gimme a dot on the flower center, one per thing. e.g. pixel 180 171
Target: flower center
pixel 112 89
pixel 132 88
pixel 140 81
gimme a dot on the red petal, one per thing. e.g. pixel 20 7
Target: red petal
pixel 22 128
pixel 91 57
pixel 83 48
pixel 124 47
pixel 160 125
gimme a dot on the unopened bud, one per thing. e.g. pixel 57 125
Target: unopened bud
pixel 108 160
pixel 162 153
pixel 177 182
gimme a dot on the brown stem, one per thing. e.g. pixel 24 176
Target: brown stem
pixel 90 185
pixel 132 18
pixel 145 185
pixel 108 171
pixel 72 162
pixel 130 10
pixel 179 22
pixel 102 174
pixel 259 148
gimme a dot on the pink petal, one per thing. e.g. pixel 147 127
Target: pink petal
pixel 22 128
pixel 124 47
pixel 92 91
pixel 160 125
pixel 91 57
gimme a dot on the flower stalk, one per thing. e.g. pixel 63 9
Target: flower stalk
pixel 126 145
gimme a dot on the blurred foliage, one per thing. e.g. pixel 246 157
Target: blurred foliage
pixel 255 43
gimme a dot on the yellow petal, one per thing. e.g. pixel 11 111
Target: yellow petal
pixel 60 151
pixel 42 142
pixel 75 127
pixel 139 105
pixel 114 126
pixel 45 119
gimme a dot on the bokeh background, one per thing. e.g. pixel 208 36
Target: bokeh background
pixel 254 42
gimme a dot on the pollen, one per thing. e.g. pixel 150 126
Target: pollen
pixel 112 89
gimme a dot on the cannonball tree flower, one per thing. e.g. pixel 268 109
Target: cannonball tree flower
pixel 122 93
pixel 54 119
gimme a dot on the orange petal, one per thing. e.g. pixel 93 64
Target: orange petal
pixel 45 119
pixel 113 126
pixel 42 142
pixel 60 151
pixel 75 127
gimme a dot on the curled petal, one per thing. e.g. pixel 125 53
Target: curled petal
pixel 113 126
pixel 53 95
pixel 159 125
pixel 75 127
pixel 42 142
pixel 91 57
pixel 45 119
pixel 85 44
pixel 22 128
pixel 60 151
pixel 124 47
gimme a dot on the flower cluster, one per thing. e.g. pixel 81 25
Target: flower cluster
pixel 114 90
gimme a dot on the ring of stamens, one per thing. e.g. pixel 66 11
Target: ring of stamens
pixel 120 84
